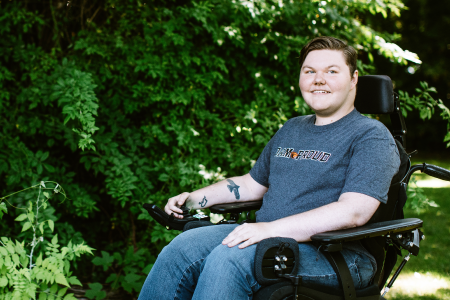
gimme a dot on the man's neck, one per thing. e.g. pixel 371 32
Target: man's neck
pixel 322 120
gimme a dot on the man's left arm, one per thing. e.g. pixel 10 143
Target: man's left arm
pixel 351 210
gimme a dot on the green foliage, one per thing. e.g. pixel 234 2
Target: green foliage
pixel 49 275
pixel 3 209
pixel 127 102
pixel 127 271
pixel 417 199
pixel 425 104
pixel 96 291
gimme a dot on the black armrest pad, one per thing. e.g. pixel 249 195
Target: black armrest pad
pixel 236 207
pixel 367 231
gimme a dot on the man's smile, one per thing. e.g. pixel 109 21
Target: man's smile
pixel 320 92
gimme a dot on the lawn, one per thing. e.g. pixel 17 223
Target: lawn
pixel 427 277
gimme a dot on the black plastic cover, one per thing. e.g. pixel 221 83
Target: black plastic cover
pixel 374 95
pixel 265 253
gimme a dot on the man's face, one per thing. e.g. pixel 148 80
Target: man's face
pixel 326 84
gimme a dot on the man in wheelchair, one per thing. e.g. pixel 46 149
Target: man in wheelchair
pixel 318 173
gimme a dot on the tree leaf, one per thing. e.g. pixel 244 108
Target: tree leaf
pixel 3 251
pixel 95 291
pixel 74 281
pixel 3 209
pixel 61 292
pixel 105 261
pixel 39 260
pixel 3 281
pixel 15 259
pixel 42 296
pixel 26 226
pixel 31 216
pixel 61 279
pixel 51 224
pixel 70 297
pixel 44 156
pixel 50 168
pixel 55 238
pixel 21 217
pixel 54 288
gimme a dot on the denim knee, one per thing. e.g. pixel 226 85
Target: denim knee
pixel 229 268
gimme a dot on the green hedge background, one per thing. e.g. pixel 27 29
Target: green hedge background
pixel 130 102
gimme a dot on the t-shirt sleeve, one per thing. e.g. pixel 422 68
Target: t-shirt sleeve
pixel 373 164
pixel 261 170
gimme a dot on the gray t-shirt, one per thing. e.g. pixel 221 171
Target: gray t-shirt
pixel 307 166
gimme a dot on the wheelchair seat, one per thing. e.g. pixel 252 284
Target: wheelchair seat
pixel 386 233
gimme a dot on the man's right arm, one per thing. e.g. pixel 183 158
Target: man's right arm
pixel 235 189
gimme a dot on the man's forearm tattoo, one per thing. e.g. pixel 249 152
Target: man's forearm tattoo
pixel 204 201
pixel 234 187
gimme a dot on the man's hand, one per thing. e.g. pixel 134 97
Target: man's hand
pixel 249 234
pixel 174 203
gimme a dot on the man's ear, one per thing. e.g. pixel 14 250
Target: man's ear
pixel 354 79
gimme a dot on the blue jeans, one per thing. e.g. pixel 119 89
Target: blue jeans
pixel 195 265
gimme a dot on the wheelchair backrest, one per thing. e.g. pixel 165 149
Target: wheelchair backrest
pixel 375 95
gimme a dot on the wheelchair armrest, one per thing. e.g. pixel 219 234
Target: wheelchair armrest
pixel 236 207
pixel 368 231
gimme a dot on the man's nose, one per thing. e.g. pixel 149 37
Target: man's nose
pixel 319 79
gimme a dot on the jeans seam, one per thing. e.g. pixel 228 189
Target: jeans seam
pixel 182 276
pixel 358 274
pixel 251 288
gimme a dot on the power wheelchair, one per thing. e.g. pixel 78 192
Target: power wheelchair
pixel 384 236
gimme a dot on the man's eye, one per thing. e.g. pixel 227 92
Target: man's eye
pixel 332 72
pixel 309 72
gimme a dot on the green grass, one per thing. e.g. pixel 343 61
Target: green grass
pixel 433 263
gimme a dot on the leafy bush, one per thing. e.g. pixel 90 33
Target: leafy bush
pixel 22 275
pixel 127 102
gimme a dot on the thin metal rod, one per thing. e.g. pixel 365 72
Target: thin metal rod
pixel 399 269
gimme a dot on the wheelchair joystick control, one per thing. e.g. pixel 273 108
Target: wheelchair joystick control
pixel 170 222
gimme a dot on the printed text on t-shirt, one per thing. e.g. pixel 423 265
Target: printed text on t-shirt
pixel 316 155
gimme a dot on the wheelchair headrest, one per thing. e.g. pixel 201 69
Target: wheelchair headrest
pixel 374 95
